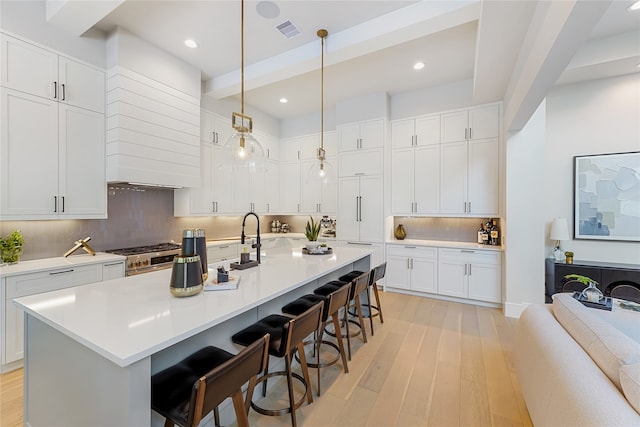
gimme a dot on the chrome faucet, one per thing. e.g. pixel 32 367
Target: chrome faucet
pixel 256 245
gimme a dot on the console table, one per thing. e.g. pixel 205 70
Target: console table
pixel 607 274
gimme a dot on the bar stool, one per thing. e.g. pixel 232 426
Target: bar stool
pixel 332 304
pixel 287 335
pixel 358 285
pixel 185 392
pixel 377 273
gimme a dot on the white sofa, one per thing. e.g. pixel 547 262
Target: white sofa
pixel 575 369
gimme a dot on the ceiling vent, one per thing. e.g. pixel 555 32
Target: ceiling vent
pixel 288 29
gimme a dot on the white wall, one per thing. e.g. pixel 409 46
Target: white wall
pixel 27 19
pixel 372 106
pixel 597 117
pixel 308 124
pixel 432 100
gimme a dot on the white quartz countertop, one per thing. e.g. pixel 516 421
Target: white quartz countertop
pixel 445 244
pixel 128 319
pixel 33 266
pixel 263 236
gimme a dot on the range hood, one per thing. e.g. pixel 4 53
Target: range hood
pixel 153 115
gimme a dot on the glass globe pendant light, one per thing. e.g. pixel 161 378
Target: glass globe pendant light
pixel 242 151
pixel 321 170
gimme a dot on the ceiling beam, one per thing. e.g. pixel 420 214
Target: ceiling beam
pixel 417 20
pixel 77 16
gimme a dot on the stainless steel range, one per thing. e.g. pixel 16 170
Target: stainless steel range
pixel 144 259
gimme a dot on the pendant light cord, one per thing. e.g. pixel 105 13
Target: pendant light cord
pixel 242 59
pixel 322 96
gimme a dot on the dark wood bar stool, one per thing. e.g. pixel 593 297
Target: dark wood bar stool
pixel 332 304
pixel 187 391
pixel 377 273
pixel 357 285
pixel 287 335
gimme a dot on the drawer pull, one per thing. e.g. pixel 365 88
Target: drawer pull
pixel 358 243
pixel 61 272
pixel 223 247
pixel 468 251
pixel 113 263
pixel 410 247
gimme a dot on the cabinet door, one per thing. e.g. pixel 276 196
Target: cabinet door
pixel 29 156
pixel 81 85
pixel 371 209
pixel 483 177
pixel 272 184
pixel 427 130
pixel 207 127
pixel 82 182
pixel 484 282
pixel 484 122
pixel 347 224
pixel 360 163
pixel 452 277
pixel 329 203
pixel 200 199
pixel 348 137
pixel 310 189
pixel 290 150
pixel 242 194
pixel 453 175
pixel 424 274
pixel 402 181
pixel 397 274
pixel 257 191
pixel 309 147
pixel 372 134
pixel 427 179
pixel 290 187
pixel 113 270
pixel 453 126
pixel 223 183
pixel 402 133
pixel 28 68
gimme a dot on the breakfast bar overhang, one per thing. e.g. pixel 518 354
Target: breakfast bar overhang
pixel 90 350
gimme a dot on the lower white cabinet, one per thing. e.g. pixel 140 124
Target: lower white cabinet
pixel 472 274
pixel 412 267
pixel 44 281
pixel 222 252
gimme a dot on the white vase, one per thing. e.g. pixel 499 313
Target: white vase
pixel 312 246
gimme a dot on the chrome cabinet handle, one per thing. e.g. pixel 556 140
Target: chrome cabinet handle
pixel 469 269
pixel 468 251
pixel 408 264
pixel 55 203
pixel 55 90
pixel 412 263
pixel 64 92
pixel 465 269
pixel 113 263
pixel 62 204
pixel 53 273
pixel 359 243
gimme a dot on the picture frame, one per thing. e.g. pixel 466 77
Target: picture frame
pixel 606 197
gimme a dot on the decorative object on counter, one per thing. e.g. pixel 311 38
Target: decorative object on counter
pixel 194 242
pixel 606 303
pixel 494 233
pixel 285 227
pixel 223 275
pixel 11 247
pixel 323 249
pixel 591 293
pixel 629 305
pixel 276 226
pixel 242 151
pixel 311 232
pixel 82 243
pixel 569 257
pixel 244 255
pixel 216 285
pixel 559 231
pixel 400 232
pixel 186 276
pixel 328 226
pixel 321 171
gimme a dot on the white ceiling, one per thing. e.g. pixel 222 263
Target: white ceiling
pixel 371 47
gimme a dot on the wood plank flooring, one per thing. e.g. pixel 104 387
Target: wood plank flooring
pixel 432 363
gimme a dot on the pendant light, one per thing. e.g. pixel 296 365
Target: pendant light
pixel 321 170
pixel 242 151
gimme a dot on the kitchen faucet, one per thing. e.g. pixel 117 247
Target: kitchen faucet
pixel 256 245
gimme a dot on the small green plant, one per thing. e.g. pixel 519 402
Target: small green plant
pixel 568 253
pixel 312 230
pixel 11 247
pixel 582 279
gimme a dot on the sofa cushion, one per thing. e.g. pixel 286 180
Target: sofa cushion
pixel 630 380
pixel 607 346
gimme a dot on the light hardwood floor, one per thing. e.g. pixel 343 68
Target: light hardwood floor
pixel 432 363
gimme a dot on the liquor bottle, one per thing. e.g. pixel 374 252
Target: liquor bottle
pixel 485 234
pixel 494 233
pixel 480 234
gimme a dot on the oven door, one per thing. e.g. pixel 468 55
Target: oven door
pixel 157 267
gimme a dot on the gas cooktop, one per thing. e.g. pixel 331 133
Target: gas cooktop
pixel 136 250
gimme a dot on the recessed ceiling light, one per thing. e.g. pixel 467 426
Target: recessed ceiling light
pixel 418 66
pixel 190 43
pixel 283 100
pixel 268 9
pixel 634 6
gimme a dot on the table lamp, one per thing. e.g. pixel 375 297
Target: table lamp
pixel 559 231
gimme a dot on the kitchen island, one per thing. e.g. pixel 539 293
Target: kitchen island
pixel 90 350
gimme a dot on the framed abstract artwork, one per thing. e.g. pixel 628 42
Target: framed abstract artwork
pixel 606 197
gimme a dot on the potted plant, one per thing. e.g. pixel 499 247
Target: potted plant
pixel 569 257
pixel 11 247
pixel 591 293
pixel 311 232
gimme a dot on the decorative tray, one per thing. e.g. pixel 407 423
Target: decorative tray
pixel 214 285
pixel 243 266
pixel 308 252
pixel 604 304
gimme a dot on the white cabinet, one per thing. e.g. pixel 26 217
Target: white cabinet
pixel 44 281
pixel 360 209
pixel 361 135
pixel 290 187
pixel 470 162
pixel 37 71
pixel 472 274
pixel 317 197
pixel 360 163
pixel 213 128
pixel 377 257
pixel 415 180
pixel 412 268
pixel 415 132
pixel 64 146
pixel 217 253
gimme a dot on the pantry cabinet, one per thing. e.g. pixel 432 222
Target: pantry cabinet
pixel 360 213
pixel 361 135
pixel 317 197
pixel 471 274
pixel 412 268
pixel 415 180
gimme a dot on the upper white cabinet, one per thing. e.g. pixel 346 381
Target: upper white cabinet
pixel 37 71
pixel 53 128
pixel 360 209
pixel 361 135
pixel 415 132
pixel 470 162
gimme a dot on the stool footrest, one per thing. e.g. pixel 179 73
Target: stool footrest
pixel 276 412
pixel 322 364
